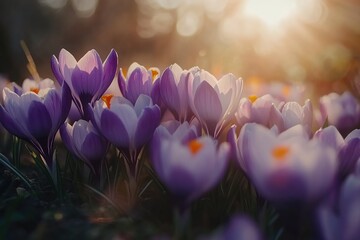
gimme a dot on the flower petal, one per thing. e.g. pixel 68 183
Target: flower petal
pixel 55 67
pixel 67 63
pixel 39 120
pixel 109 67
pixel 208 105
pixel 148 122
pixel 169 91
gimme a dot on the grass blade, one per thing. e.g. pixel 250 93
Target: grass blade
pixel 4 161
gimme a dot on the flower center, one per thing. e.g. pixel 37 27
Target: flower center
pixel 107 99
pixel 35 90
pixel 286 91
pixel 124 71
pixel 280 153
pixel 194 146
pixel 154 73
pixel 252 98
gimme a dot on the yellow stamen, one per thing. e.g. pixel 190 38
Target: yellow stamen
pixel 280 153
pixel 286 91
pixel 154 73
pixel 195 146
pixel 35 90
pixel 252 98
pixel 107 99
pixel 124 71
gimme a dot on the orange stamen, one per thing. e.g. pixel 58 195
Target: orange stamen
pixel 252 98
pixel 107 99
pixel 35 90
pixel 195 146
pixel 124 71
pixel 280 153
pixel 286 91
pixel 154 73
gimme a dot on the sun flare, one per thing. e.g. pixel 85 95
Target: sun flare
pixel 270 12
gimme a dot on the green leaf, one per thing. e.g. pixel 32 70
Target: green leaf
pixel 5 162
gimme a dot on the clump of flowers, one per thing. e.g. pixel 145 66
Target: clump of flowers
pixel 155 139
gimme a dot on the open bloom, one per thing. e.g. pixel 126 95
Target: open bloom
pixel 255 109
pixel 342 111
pixel 240 143
pixel 287 167
pixel 214 101
pixel 30 85
pixel 125 125
pixel 139 80
pixel 174 91
pixel 348 149
pixel 292 113
pixel 85 142
pixel 36 116
pixel 181 131
pixel 341 220
pixel 87 78
pixel 188 168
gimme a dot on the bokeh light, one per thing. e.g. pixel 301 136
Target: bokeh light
pixel 270 12
pixel 292 41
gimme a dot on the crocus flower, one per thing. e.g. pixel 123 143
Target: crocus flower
pixel 36 116
pixel 32 85
pixel 240 143
pixel 239 228
pixel 173 86
pixel 288 167
pixel 85 142
pixel 255 109
pixel 129 127
pixel 341 220
pixel 342 111
pixel 139 80
pixel 292 113
pixel 188 169
pixel 183 131
pixel 214 101
pixel 279 90
pixel 348 149
pixel 87 78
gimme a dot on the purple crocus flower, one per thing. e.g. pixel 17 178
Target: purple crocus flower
pixel 129 127
pixel 188 168
pixel 173 86
pixel 341 220
pixel 214 101
pixel 139 80
pixel 342 111
pixel 239 228
pixel 30 85
pixel 87 78
pixel 292 113
pixel 36 116
pixel 255 109
pixel 287 167
pixel 85 142
pixel 240 143
pixel 183 131
pixel 348 149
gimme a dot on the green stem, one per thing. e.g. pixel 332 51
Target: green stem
pixel 182 218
